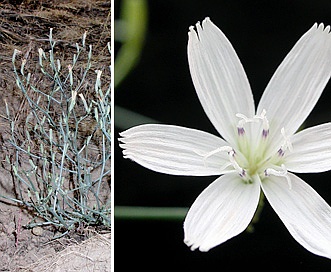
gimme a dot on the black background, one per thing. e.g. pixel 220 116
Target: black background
pixel 160 87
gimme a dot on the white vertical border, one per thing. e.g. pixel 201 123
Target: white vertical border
pixel 112 26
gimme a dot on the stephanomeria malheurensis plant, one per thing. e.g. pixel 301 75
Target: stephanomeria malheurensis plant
pixel 259 148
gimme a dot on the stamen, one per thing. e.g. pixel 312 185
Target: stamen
pixel 241 171
pixel 279 173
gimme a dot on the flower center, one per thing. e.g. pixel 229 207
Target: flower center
pixel 251 157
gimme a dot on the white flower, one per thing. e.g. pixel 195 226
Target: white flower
pixel 259 148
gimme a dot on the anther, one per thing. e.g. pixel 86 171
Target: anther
pixel 280 152
pixel 265 133
pixel 243 173
pixel 241 131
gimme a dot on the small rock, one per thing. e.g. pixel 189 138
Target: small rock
pixel 38 231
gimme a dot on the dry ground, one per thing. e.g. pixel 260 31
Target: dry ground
pixel 25 25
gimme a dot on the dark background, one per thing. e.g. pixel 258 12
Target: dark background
pixel 160 87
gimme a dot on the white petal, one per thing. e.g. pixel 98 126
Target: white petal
pixel 223 210
pixel 311 150
pixel 305 214
pixel 219 78
pixel 174 150
pixel 298 82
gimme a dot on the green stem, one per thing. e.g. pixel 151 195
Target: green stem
pixel 150 213
pixel 134 16
pixel 257 214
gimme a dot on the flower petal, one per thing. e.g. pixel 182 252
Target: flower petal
pixel 219 78
pixel 305 214
pixel 311 150
pixel 298 82
pixel 174 150
pixel 223 210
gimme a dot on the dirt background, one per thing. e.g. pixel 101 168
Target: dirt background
pixel 24 25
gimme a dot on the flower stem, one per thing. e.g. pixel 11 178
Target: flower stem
pixel 150 213
pixel 134 18
pixel 257 214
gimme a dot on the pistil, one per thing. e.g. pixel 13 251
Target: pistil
pixel 279 173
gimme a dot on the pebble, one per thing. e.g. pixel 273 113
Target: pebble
pixel 38 231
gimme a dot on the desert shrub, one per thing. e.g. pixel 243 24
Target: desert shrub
pixel 61 157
